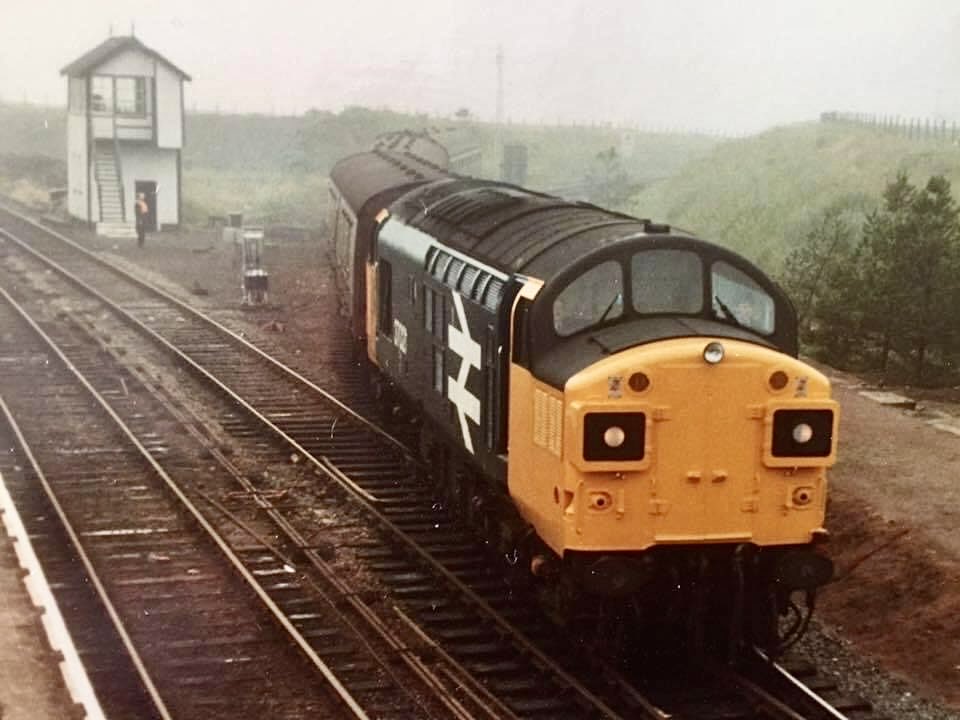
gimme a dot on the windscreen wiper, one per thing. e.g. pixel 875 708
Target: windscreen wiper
pixel 727 311
pixel 610 306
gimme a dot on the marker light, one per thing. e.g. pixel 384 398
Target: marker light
pixel 639 382
pixel 778 380
pixel 713 353
pixel 614 436
pixel 802 433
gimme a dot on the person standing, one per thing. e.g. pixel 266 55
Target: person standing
pixel 141 209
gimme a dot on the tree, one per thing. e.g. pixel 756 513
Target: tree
pixel 884 236
pixel 911 257
pixel 822 276
pixel 610 185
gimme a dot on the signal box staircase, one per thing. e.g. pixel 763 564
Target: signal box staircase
pixel 106 170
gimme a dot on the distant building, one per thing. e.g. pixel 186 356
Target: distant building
pixel 514 167
pixel 124 135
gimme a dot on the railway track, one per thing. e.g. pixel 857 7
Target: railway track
pixel 191 639
pixel 442 587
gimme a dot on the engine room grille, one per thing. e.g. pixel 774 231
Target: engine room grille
pixel 470 281
pixel 547 422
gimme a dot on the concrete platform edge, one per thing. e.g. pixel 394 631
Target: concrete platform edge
pixel 71 668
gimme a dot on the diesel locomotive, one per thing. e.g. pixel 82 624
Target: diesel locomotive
pixel 615 404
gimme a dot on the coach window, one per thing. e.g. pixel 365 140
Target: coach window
pixel 593 298
pixel 386 301
pixel 667 281
pixel 737 298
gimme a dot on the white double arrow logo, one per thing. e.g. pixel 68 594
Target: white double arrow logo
pixel 468 349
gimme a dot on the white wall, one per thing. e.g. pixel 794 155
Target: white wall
pixel 128 62
pixel 143 162
pixel 77 165
pixel 77 94
pixel 94 191
pixel 169 106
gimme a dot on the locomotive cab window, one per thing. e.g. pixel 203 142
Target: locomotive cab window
pixel 738 299
pixel 591 299
pixel 667 281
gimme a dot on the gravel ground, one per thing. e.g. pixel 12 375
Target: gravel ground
pixel 891 695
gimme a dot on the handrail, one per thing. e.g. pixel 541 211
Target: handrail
pixel 119 168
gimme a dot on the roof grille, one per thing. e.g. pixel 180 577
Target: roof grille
pixel 655 228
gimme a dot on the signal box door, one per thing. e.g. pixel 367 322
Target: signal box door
pixel 149 190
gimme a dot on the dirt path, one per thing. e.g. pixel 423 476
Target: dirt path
pixel 894 517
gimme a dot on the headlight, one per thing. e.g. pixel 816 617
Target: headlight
pixel 614 436
pixel 802 433
pixel 713 353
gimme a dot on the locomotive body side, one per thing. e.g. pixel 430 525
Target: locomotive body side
pixel 440 333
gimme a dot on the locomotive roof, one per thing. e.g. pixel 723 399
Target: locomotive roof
pixel 364 176
pixel 513 229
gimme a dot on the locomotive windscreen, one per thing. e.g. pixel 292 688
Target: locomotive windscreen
pixel 662 282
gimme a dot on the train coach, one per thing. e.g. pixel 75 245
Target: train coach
pixel 361 185
pixel 616 404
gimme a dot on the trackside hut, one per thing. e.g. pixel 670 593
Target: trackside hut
pixel 125 133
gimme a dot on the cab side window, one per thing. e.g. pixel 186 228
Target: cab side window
pixel 385 285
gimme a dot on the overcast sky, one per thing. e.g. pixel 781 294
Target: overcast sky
pixel 717 65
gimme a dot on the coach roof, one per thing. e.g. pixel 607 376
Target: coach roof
pixel 363 176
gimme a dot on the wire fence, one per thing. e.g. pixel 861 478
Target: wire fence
pixel 936 129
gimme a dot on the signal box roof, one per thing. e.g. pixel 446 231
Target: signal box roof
pixel 93 59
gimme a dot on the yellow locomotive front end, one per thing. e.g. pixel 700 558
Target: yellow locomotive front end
pixel 665 439
pixel 693 440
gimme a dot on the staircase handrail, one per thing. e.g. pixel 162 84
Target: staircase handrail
pixel 119 168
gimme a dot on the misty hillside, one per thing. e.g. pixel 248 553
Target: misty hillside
pixel 754 194
pixel 757 195
pixel 274 168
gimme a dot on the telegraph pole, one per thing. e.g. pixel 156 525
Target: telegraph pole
pixel 498 132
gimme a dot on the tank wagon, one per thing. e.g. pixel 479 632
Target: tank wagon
pixel 617 405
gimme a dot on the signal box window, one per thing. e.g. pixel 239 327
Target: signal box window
pixel 740 300
pixel 101 94
pixel 131 96
pixel 591 299
pixel 667 281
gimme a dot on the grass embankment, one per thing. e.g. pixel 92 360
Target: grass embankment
pixel 274 169
pixel 759 195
